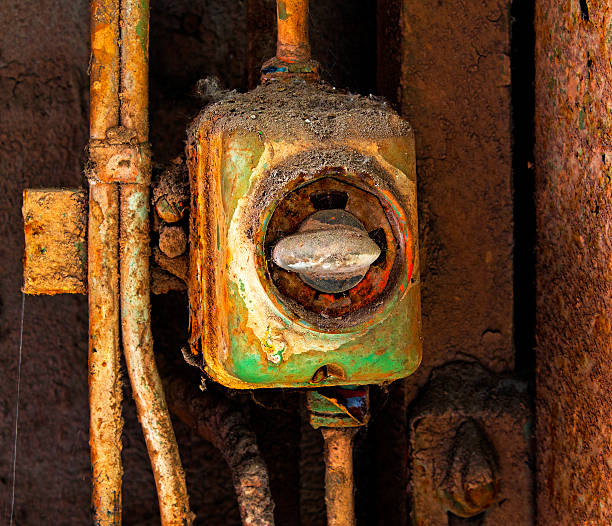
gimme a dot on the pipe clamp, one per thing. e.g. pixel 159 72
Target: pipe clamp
pixel 119 158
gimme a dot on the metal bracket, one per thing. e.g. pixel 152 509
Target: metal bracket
pixel 471 448
pixel 119 158
pixel 55 262
pixel 55 227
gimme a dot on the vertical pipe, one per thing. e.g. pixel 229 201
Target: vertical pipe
pixel 106 423
pixel 135 279
pixel 292 44
pixel 573 153
pixel 339 483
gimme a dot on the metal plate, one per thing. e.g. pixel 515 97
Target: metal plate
pixel 55 227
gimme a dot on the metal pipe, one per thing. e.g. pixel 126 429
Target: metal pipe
pixel 106 423
pixel 292 43
pixel 135 278
pixel 339 482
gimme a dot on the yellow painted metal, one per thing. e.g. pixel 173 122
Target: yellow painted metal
pixel 55 227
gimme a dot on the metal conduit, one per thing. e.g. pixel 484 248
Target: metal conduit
pixel 339 483
pixel 292 43
pixel 123 116
pixel 135 277
pixel 106 423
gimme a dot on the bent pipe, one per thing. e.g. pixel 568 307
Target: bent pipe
pixel 220 422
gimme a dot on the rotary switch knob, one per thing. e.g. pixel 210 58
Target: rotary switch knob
pixel 331 251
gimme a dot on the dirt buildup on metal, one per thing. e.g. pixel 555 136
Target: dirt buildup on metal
pixel 171 192
pixel 299 110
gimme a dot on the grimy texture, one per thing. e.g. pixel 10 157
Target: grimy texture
pixel 293 44
pixel 455 92
pixel 43 131
pixel 105 390
pixel 223 423
pixel 339 477
pixel 574 261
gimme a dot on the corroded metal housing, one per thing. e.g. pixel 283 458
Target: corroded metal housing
pixel 252 160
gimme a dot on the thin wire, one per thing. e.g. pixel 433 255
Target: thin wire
pixel 17 408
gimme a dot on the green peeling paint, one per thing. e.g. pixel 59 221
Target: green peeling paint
pixel 241 153
pixel 142 28
pixel 282 11
pixel 383 351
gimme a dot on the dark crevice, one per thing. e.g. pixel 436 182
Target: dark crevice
pixel 454 520
pixel 378 236
pixel 523 111
pixel 329 200
pixel 584 10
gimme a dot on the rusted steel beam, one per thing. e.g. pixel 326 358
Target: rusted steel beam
pixel 135 278
pixel 293 44
pixel 339 480
pixel 574 272
pixel 106 423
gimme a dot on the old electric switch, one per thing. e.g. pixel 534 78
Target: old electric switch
pixel 303 239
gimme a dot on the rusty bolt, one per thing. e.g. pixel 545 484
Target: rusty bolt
pixel 169 212
pixel 172 241
pixel 471 483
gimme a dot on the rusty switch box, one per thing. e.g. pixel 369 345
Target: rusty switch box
pixel 303 239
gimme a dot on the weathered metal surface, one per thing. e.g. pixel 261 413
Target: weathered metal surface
pixel 456 93
pixel 243 162
pixel 171 192
pixel 138 349
pixel 135 279
pixel 339 478
pixel 104 70
pixel 134 94
pixel 293 44
pixel 172 241
pixel 574 261
pixel 471 480
pixel 292 58
pixel 331 251
pixel 470 433
pixel 106 423
pixel 300 204
pixel 55 227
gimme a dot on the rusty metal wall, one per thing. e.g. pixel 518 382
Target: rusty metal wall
pixel 454 89
pixel 456 94
pixel 574 264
